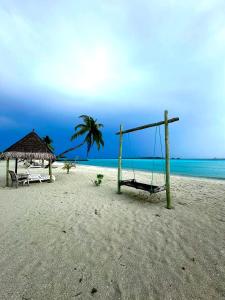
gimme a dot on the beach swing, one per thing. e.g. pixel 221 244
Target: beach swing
pixel 151 188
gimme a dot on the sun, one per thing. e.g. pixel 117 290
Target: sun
pixel 87 73
pixel 81 70
pixel 94 71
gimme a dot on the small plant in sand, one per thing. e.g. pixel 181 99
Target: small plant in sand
pixel 98 179
pixel 67 166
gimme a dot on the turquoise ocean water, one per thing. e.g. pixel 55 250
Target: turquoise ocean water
pixel 186 167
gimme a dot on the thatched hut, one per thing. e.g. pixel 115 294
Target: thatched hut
pixel 29 147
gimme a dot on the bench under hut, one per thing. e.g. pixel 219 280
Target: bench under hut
pixel 29 147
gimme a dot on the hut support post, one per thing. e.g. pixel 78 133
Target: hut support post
pixel 7 172
pixel 167 150
pixel 120 161
pixel 16 165
pixel 50 169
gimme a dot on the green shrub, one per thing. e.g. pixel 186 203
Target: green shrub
pixel 98 179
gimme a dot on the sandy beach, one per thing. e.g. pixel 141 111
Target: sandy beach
pixel 73 240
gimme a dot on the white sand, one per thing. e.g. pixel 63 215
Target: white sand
pixel 54 246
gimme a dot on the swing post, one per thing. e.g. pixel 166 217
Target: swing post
pixel 7 172
pixel 167 150
pixel 50 170
pixel 16 165
pixel 120 161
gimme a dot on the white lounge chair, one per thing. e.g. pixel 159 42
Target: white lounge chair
pixel 38 177
pixel 46 177
pixel 34 178
pixel 35 165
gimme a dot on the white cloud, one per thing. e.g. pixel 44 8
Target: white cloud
pixel 154 50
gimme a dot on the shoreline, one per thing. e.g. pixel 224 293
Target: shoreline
pixel 161 173
pixel 137 171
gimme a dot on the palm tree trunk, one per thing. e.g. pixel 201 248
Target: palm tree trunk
pixel 69 150
pixel 66 151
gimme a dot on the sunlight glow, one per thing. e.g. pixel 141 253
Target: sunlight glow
pixel 94 71
pixel 85 72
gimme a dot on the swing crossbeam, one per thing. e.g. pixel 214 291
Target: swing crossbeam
pixel 152 189
pixel 148 126
pixel 138 185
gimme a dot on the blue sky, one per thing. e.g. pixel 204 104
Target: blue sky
pixel 119 61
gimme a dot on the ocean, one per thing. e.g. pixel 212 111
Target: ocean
pixel 207 168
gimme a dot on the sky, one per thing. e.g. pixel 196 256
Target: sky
pixel 120 61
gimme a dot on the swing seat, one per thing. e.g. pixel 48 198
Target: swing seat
pixel 152 189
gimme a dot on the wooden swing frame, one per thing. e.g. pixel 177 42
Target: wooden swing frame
pixel 138 185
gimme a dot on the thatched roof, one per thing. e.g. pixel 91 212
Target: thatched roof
pixel 29 147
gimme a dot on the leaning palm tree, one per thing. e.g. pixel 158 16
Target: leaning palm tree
pixel 93 135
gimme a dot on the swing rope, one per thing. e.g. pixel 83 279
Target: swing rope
pixel 132 163
pixel 161 147
pixel 154 151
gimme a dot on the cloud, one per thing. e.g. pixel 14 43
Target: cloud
pixel 111 51
pixel 128 59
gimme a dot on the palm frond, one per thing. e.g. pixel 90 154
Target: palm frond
pixel 102 141
pixel 48 141
pixel 79 126
pixel 50 147
pixel 85 118
pixel 79 133
pixel 97 135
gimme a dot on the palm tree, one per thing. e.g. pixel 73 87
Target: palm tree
pixel 93 134
pixel 48 141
